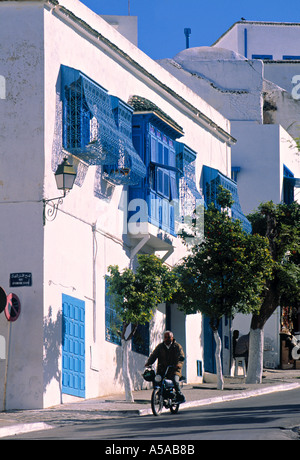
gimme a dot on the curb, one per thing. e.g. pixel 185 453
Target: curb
pixel 242 395
pixel 23 428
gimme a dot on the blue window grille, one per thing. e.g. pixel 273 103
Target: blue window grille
pixel 113 324
pixel 129 169
pixel 212 178
pixel 189 196
pixel 89 128
pixel 97 128
pixel 140 340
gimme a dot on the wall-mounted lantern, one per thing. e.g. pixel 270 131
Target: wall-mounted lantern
pixel 65 176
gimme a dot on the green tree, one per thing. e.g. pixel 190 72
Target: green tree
pixel 225 273
pixel 136 296
pixel 280 224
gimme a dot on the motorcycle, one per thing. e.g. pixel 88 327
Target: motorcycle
pixel 163 395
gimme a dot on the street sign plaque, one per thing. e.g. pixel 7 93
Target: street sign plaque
pixel 20 279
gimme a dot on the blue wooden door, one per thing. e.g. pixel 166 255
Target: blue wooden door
pixel 73 346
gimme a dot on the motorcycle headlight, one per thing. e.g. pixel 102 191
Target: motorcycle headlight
pixel 157 378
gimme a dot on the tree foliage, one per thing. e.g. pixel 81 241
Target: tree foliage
pixel 225 273
pixel 136 295
pixel 280 224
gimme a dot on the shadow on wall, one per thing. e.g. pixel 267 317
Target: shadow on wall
pixel 52 349
pixel 137 361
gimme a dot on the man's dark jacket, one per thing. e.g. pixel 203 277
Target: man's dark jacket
pixel 167 357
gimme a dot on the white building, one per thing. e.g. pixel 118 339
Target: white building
pixel 72 86
pixel 235 86
pixel 276 44
pixel 262 40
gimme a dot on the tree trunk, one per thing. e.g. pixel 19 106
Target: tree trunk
pixel 220 380
pixel 125 371
pixel 256 342
pixel 255 363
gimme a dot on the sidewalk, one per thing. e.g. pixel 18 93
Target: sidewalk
pixel 21 421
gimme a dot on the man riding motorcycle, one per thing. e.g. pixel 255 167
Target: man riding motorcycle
pixel 169 353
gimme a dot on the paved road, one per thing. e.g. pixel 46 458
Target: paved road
pixel 273 416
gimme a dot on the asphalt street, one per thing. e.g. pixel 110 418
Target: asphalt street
pixel 273 416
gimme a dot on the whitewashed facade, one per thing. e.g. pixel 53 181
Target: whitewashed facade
pixel 68 256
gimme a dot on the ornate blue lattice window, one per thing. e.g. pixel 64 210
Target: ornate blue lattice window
pixel 89 127
pixel 113 324
pixel 190 197
pixel 97 128
pixel 212 178
pixel 77 118
pixel 129 169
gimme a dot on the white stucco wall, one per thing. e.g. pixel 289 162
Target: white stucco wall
pixel 261 152
pixel 21 188
pixel 227 81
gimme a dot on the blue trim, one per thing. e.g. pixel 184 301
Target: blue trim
pixel 291 58
pixel 245 43
pixel 262 56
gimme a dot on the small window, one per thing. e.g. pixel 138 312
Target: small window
pixel 163 182
pixel 264 57
pixel 291 58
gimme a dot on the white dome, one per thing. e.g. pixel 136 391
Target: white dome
pixel 207 53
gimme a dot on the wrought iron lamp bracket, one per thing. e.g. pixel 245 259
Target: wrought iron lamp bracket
pixel 50 208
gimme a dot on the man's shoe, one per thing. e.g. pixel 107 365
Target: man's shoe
pixel 180 398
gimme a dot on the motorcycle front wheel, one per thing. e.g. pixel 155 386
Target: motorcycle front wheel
pixel 157 402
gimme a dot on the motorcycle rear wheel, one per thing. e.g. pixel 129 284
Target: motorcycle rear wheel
pixel 157 402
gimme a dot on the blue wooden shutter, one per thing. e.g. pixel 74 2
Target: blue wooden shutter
pixel 73 346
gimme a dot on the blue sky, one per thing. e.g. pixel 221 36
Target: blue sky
pixel 161 22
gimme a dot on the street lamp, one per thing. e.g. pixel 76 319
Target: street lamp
pixel 65 176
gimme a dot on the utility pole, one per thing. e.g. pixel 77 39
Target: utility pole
pixel 128 7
